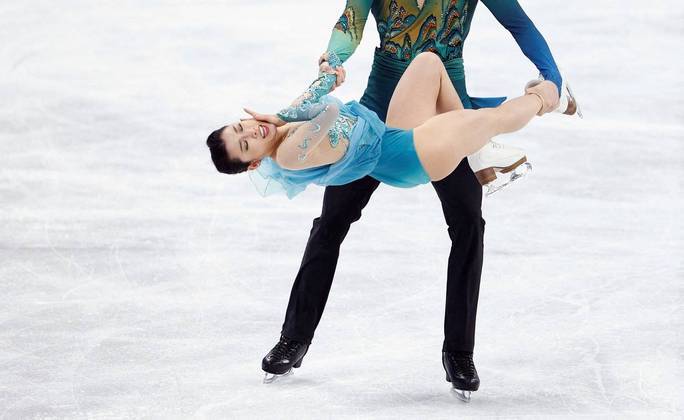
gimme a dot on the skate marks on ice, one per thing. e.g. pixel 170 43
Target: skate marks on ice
pixel 132 275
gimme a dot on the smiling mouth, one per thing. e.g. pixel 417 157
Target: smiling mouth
pixel 263 130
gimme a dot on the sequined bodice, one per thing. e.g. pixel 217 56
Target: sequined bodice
pixel 341 129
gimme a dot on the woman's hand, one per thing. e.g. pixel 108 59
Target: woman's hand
pixel 269 118
pixel 324 66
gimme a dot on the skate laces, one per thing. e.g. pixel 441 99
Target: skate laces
pixel 463 363
pixel 284 348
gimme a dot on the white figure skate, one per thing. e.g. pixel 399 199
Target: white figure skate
pixel 497 165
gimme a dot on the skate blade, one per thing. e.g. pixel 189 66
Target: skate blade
pixel 269 378
pixel 503 181
pixel 461 394
pixel 574 99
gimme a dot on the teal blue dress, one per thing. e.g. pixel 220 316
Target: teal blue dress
pixel 387 154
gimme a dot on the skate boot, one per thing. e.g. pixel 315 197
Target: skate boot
pixel 567 103
pixel 282 358
pixel 461 372
pixel 496 166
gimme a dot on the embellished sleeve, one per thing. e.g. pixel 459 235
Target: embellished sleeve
pixel 348 30
pixel 529 39
pixel 309 104
pixel 296 148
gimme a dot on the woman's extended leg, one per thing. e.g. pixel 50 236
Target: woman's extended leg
pixel 445 139
pixel 424 90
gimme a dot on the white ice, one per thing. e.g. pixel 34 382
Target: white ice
pixel 135 281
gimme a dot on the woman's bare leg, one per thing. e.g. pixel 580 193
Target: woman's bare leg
pixel 423 91
pixel 445 139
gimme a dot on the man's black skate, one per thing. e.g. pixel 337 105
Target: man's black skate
pixel 282 358
pixel 461 372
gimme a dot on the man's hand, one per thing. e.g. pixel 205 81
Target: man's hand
pixel 269 118
pixel 324 67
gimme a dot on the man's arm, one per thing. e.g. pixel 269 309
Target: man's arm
pixel 512 17
pixel 348 30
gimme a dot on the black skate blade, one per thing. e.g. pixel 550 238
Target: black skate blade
pixel 461 394
pixel 269 378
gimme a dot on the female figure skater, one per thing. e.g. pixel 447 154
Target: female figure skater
pixel 320 140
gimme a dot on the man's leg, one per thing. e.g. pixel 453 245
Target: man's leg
pixel 342 205
pixel 461 196
pixel 426 89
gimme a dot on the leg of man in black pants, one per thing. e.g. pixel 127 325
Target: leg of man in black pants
pixel 461 197
pixel 462 211
pixel 342 206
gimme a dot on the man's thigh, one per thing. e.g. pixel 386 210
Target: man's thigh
pixel 342 205
pixel 460 194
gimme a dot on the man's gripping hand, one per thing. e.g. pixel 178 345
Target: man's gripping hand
pixel 324 67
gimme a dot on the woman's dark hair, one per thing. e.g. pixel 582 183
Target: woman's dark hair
pixel 219 155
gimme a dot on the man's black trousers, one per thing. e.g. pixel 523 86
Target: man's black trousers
pixel 461 196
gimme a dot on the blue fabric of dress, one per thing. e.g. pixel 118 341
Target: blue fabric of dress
pixel 363 152
pixel 399 165
pixel 385 153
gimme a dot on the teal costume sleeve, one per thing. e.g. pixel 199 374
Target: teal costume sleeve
pixel 310 103
pixel 348 30
pixel 531 42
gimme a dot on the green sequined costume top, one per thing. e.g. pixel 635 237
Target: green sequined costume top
pixel 409 27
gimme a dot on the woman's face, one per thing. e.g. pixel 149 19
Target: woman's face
pixel 249 140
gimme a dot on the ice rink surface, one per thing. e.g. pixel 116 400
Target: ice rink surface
pixel 136 282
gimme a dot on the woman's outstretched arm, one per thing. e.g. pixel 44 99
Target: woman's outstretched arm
pixel 309 103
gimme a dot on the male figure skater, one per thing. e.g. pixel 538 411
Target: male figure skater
pixel 406 28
